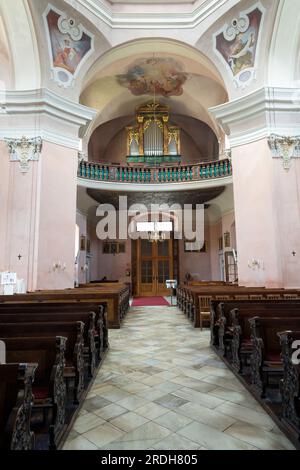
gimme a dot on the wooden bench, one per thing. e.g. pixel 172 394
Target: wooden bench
pixel 74 354
pixel 241 344
pixel 195 300
pixel 71 307
pixel 226 313
pixel 90 333
pixel 15 406
pixel 266 357
pixel 115 298
pixel 49 389
pixel 290 383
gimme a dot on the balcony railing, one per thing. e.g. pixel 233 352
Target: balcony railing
pixel 154 175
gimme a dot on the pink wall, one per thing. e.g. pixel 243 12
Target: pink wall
pixel 214 234
pixel 81 221
pixel 4 195
pixel 57 217
pixel 257 194
pixel 112 266
pixel 287 201
pixel 197 264
pixel 38 217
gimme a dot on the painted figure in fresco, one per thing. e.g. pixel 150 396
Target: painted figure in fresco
pixel 66 57
pixel 156 75
pixel 67 53
pixel 239 53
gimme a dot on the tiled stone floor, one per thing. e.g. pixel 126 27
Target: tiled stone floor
pixel 162 387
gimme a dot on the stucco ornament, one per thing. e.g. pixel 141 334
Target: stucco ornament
pixel 24 150
pixel 285 147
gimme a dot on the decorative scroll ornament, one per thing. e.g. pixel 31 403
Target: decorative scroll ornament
pixel 237 44
pixel 24 150
pixel 69 45
pixel 285 147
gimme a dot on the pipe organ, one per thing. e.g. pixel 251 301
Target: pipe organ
pixel 153 139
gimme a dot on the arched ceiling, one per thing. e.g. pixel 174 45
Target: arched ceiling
pixel 152 1
pixel 201 88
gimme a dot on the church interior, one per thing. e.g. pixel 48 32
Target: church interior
pixel 149 225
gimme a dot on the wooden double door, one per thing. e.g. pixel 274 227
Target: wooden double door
pixel 154 267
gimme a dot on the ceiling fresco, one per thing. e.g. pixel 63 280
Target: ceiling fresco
pixel 149 76
pixel 238 42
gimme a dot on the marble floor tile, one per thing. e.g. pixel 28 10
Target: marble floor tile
pixel 132 403
pixel 176 442
pixel 87 422
pixel 173 421
pixel 103 434
pixel 207 416
pixel 247 415
pixel 148 431
pixel 92 404
pixel 79 443
pixel 110 411
pixel 165 389
pixel 151 411
pixel 171 401
pixel 128 421
pixel 260 438
pixel 212 439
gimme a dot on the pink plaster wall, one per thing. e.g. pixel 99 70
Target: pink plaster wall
pixel 57 217
pixel 197 264
pixel 112 266
pixel 38 217
pixel 19 218
pixel 258 229
pixel 215 233
pixel 287 201
pixel 81 221
pixel 4 197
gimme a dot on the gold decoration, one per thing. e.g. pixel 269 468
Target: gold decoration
pixel 145 115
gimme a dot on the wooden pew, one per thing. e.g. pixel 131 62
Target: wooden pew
pixel 49 388
pixel 195 300
pixel 101 324
pixel 290 383
pixel 15 406
pixel 241 344
pixel 266 357
pixel 36 315
pixel 222 319
pixel 74 351
pixel 116 299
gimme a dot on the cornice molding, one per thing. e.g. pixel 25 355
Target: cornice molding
pixel 44 113
pixel 259 114
pixel 45 101
pixel 152 20
pixel 132 187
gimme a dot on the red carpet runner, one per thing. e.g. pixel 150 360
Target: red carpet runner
pixel 149 302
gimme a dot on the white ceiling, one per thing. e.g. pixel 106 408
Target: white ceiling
pixel 149 2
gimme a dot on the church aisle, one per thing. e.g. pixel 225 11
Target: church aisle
pixel 162 387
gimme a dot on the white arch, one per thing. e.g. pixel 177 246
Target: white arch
pixel 23 44
pixel 105 66
pixel 284 50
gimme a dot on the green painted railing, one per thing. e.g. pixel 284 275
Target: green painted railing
pixel 162 174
